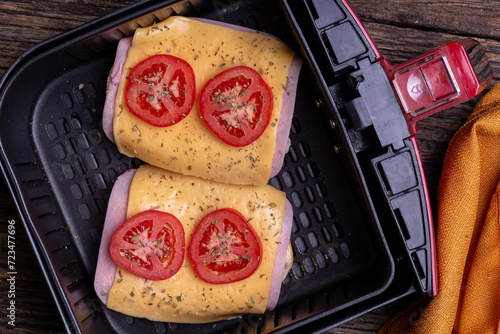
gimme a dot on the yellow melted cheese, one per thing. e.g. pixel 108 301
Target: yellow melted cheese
pixel 189 147
pixel 185 298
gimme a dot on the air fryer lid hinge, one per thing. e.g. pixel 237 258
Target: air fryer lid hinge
pixel 349 63
pixel 376 105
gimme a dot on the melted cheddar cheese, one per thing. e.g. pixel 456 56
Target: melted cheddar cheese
pixel 189 147
pixel 185 298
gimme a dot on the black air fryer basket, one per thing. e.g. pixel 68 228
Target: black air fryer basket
pixel 362 236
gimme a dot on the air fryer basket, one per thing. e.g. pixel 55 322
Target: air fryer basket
pixel 60 168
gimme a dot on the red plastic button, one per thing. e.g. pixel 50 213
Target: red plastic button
pixel 412 89
pixel 437 78
pixel 425 84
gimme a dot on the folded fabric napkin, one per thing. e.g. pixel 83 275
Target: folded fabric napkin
pixel 468 233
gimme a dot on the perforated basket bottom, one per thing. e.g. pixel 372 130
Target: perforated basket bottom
pixel 330 237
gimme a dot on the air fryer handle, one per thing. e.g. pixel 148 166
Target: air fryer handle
pixel 361 98
pixel 439 79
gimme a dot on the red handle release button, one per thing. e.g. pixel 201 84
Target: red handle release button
pixel 439 79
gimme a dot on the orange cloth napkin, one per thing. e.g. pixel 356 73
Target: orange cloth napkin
pixel 468 234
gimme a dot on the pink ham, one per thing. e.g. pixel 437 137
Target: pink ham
pixel 284 123
pixel 112 86
pixel 279 263
pixel 116 215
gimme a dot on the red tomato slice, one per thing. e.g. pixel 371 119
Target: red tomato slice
pixel 161 90
pixel 224 247
pixel 236 105
pixel 150 245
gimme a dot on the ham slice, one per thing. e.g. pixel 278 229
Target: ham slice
pixel 280 264
pixel 116 215
pixel 285 121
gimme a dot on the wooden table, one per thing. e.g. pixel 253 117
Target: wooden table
pixel 401 29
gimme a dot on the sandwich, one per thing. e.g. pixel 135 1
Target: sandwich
pixel 182 249
pixel 203 98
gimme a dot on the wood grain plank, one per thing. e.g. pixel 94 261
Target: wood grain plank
pixel 372 321
pixel 400 44
pixel 470 18
pixel 28 23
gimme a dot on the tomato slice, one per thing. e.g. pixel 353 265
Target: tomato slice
pixel 224 248
pixel 150 245
pixel 161 90
pixel 236 105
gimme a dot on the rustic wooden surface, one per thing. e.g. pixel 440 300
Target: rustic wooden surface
pixel 401 29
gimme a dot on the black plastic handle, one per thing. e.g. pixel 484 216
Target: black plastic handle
pixel 363 101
